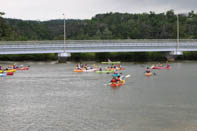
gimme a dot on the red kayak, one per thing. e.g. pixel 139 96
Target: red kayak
pixel 10 73
pixel 117 84
pixel 161 67
pixel 22 68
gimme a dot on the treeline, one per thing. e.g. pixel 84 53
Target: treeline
pixel 105 26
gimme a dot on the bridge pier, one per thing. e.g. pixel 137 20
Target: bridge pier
pixel 62 57
pixel 173 54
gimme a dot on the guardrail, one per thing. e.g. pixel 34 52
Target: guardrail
pixel 99 41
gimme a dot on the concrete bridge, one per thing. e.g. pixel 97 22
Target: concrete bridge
pixel 83 46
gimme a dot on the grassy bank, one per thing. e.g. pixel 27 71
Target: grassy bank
pixel 29 57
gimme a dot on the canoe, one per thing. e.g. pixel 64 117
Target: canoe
pixel 121 83
pixel 109 71
pixel 3 74
pixel 148 74
pixel 158 67
pixel 111 62
pixel 22 68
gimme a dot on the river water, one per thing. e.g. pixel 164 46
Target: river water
pixel 50 97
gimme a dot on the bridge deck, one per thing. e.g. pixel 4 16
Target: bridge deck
pixel 82 46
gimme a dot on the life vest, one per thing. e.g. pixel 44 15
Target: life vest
pixel 148 70
pixel 113 80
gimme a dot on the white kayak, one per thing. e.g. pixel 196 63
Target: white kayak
pixel 3 74
pixel 90 70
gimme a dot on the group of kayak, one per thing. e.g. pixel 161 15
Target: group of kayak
pixel 159 67
pixel 95 68
pixel 11 69
pixel 117 79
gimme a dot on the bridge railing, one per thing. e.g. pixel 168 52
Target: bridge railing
pixel 129 41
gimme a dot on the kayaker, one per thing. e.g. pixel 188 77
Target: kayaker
pixel 14 66
pixel 118 79
pixel 86 68
pixel 113 80
pixel 119 65
pixel 78 66
pixel 160 65
pixel 147 70
pixel 167 65
pixel 116 74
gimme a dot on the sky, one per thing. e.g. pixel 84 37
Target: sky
pixel 86 9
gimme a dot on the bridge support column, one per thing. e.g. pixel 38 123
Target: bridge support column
pixel 173 54
pixel 62 57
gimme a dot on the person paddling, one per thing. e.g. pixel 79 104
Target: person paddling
pixel 113 81
pixel 147 70
pixel 118 79
pixel 116 74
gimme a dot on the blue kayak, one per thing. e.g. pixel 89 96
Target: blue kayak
pixel 3 74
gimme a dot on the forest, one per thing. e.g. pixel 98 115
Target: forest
pixel 102 27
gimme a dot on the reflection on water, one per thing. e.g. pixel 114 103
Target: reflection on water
pixel 52 97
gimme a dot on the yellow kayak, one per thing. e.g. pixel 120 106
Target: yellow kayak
pixel 11 70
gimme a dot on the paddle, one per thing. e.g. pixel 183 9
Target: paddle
pixel 127 76
pixel 154 74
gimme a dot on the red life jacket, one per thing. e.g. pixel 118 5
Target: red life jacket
pixel 113 80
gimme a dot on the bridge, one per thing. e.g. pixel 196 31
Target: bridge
pixel 84 46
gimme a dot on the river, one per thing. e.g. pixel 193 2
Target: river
pixel 50 97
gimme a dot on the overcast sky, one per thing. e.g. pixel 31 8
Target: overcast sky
pixel 85 9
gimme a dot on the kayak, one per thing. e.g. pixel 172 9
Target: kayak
pixel 22 68
pixel 9 70
pixel 90 70
pixel 76 70
pixel 161 67
pixel 108 71
pixel 3 74
pixel 111 62
pixel 10 73
pixel 148 74
pixel 121 68
pixel 121 83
